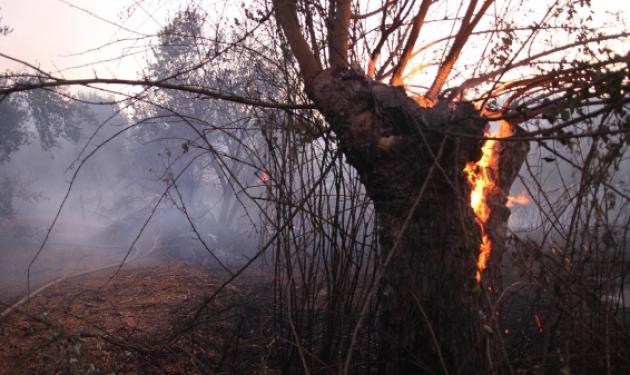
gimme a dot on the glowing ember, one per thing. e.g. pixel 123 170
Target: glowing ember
pixel 538 323
pixel 263 176
pixel 482 176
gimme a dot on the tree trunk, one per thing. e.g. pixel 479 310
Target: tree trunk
pixel 431 314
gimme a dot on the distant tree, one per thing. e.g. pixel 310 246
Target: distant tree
pixel 184 127
pixel 4 29
pixel 35 116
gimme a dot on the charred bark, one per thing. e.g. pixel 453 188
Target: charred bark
pixel 431 315
pixel 511 157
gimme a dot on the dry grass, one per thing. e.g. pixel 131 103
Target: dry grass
pixel 84 325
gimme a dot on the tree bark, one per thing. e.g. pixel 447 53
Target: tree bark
pixel 431 314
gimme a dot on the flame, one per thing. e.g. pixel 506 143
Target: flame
pixel 482 176
pixel 485 250
pixel 520 199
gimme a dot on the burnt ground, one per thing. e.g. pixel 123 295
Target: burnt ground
pixel 140 323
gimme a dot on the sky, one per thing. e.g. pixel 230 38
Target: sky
pixel 73 37
pixel 61 35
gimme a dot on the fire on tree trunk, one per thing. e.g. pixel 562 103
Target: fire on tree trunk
pixel 431 315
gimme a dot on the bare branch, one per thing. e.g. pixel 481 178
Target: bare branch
pixel 385 33
pixel 461 38
pixel 339 35
pixel 286 15
pixel 49 83
pixel 411 41
pixel 472 82
pixel 373 12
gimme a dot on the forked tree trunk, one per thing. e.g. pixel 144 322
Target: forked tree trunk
pixel 431 316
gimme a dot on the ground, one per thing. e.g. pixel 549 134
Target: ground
pixel 135 324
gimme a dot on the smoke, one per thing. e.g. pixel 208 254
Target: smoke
pixel 555 174
pixel 135 187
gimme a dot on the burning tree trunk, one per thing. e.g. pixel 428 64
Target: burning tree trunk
pixel 411 159
pixel 411 164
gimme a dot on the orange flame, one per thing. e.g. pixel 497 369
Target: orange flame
pixel 482 176
pixel 520 199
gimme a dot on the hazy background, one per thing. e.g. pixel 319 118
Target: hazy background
pixel 112 197
pixel 118 188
